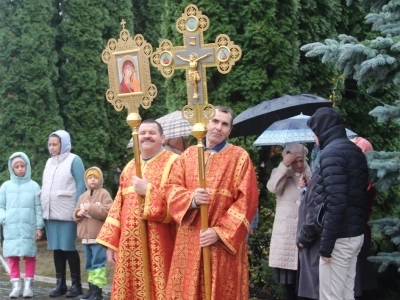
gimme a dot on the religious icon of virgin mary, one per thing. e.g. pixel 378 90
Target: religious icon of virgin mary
pixel 130 82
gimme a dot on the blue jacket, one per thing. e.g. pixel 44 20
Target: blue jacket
pixel 20 212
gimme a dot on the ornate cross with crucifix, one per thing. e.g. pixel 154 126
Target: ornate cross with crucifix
pixel 195 57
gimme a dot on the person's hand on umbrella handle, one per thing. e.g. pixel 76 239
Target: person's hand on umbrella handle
pixel 201 196
pixel 302 181
pixel 289 159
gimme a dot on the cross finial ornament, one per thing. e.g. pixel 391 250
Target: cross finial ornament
pixel 195 57
pixel 123 24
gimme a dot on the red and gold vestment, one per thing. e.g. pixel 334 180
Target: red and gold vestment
pixel 120 231
pixel 232 183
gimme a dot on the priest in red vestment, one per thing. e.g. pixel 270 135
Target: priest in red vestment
pixel 232 199
pixel 120 232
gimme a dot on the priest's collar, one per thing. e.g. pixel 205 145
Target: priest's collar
pixel 217 147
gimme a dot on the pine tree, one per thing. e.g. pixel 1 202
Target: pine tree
pixel 317 21
pixel 148 21
pixel 374 62
pixel 374 59
pixel 28 107
pixel 96 131
pixel 390 226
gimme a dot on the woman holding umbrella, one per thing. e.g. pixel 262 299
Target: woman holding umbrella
pixel 284 183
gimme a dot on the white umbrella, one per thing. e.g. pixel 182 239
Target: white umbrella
pixel 287 131
pixel 174 125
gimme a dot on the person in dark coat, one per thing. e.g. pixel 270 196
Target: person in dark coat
pixel 366 274
pixel 340 202
pixel 307 240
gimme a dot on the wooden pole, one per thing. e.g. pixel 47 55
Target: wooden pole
pixel 134 120
pixel 199 131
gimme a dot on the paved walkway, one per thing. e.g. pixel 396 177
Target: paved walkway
pixel 45 272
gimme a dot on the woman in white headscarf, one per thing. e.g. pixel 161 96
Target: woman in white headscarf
pixel 284 183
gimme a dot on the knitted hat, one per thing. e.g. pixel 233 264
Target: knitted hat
pixel 92 171
pixel 17 159
pixel 364 144
pixel 297 149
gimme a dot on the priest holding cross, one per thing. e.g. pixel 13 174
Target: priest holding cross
pixel 212 189
pixel 138 232
pixel 231 195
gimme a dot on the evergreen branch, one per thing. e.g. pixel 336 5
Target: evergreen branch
pixel 384 183
pixel 396 240
pixel 379 66
pixel 377 84
pixel 378 224
pixel 373 5
pixel 396 78
pixel 376 20
pixel 347 39
pixel 384 168
pixel 382 43
pixel 389 226
pixel 385 113
pixel 395 47
pixel 385 259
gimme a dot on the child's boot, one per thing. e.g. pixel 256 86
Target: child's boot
pixel 97 293
pixel 16 288
pixel 87 294
pixel 28 292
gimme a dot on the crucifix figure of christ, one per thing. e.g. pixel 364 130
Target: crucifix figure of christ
pixel 193 73
pixel 195 57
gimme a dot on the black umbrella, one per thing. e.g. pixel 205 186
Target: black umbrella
pixel 254 120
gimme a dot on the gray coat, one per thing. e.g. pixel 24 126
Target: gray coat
pixel 308 270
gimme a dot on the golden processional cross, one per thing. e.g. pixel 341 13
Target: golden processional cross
pixel 195 57
pixel 131 87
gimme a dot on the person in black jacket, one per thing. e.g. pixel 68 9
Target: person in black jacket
pixel 340 199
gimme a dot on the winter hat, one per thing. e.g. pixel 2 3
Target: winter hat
pixel 92 171
pixel 364 144
pixel 17 159
pixel 325 123
pixel 297 149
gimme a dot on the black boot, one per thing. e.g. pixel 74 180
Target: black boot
pixel 60 288
pixel 97 293
pixel 290 291
pixel 76 288
pixel 87 294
